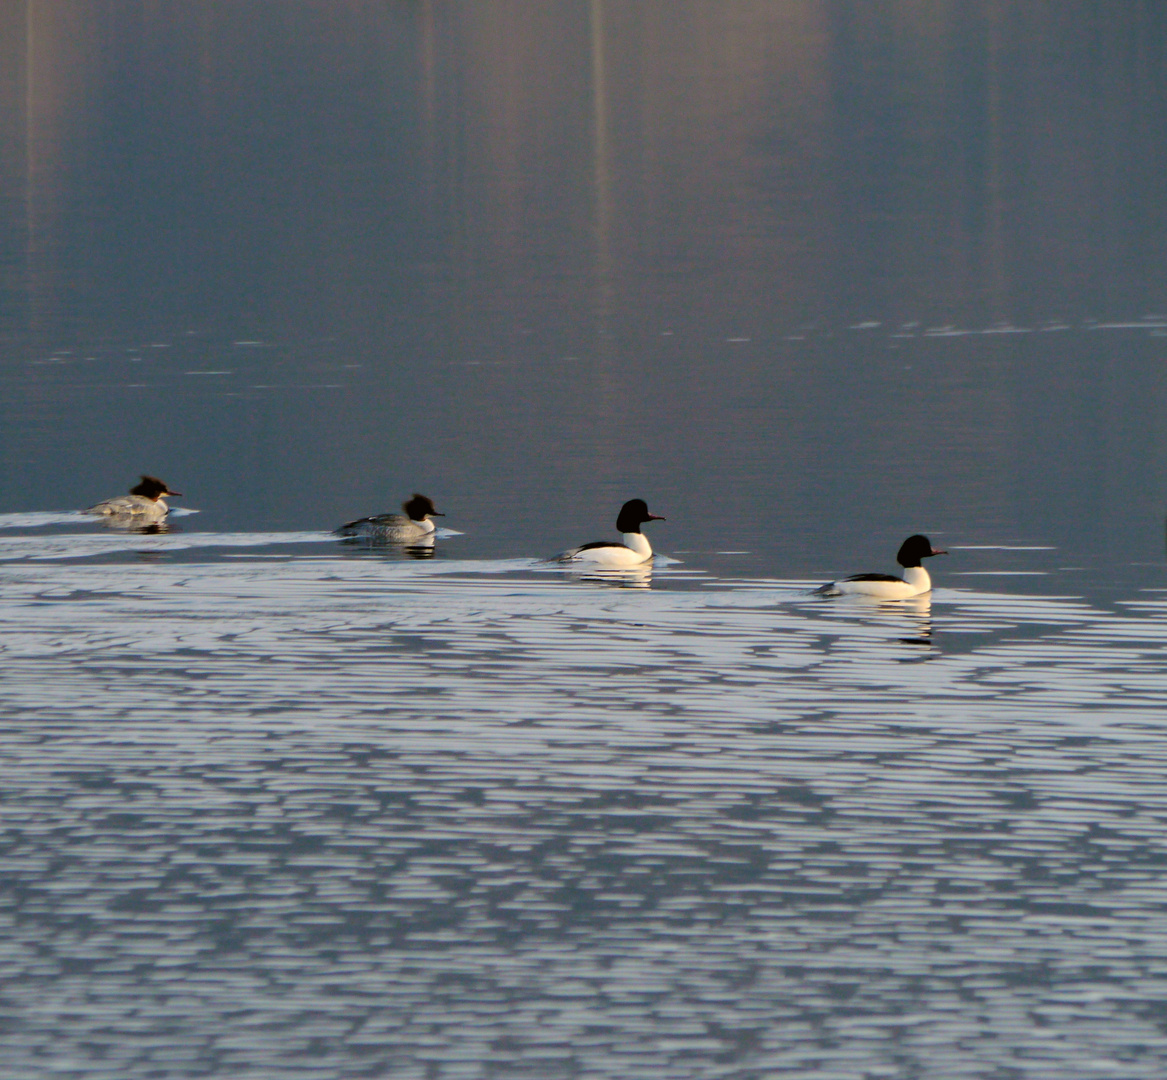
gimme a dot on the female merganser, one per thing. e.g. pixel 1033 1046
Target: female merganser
pixel 607 554
pixel 886 587
pixel 142 506
pixel 414 524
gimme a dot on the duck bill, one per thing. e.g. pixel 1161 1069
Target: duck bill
pixel 656 517
pixel 937 551
pixel 173 494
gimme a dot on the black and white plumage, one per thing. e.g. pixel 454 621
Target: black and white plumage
pixel 634 550
pixel 914 582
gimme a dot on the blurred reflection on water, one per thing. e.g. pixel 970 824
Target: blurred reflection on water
pixel 333 816
pixel 808 277
pixel 808 273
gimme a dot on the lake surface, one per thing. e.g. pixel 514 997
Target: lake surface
pixel 808 277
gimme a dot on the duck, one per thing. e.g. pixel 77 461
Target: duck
pixel 414 524
pixel 634 550
pixel 144 505
pixel 915 580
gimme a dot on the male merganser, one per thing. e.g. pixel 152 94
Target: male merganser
pixel 144 504
pixel 886 587
pixel 414 524
pixel 609 555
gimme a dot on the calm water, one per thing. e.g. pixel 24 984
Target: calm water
pixel 806 276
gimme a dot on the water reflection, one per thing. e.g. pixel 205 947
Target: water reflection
pixel 908 621
pixel 688 221
pixel 420 549
pixel 423 547
pixel 130 525
pixel 616 831
pixel 799 270
pixel 630 577
pixel 918 616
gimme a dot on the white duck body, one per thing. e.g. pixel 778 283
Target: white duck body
pixel 608 555
pixel 415 524
pixel 915 581
pixel 635 550
pixel 144 504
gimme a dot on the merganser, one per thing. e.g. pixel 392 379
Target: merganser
pixel 609 555
pixel 144 504
pixel 886 587
pixel 414 524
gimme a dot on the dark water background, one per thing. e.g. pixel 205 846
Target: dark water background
pixel 532 259
pixel 806 276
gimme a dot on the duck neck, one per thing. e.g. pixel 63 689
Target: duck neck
pixel 918 578
pixel 638 542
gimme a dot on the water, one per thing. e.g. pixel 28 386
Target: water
pixel 807 277
pixel 315 815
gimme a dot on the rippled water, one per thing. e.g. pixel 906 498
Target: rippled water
pixel 808 277
pixel 281 809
